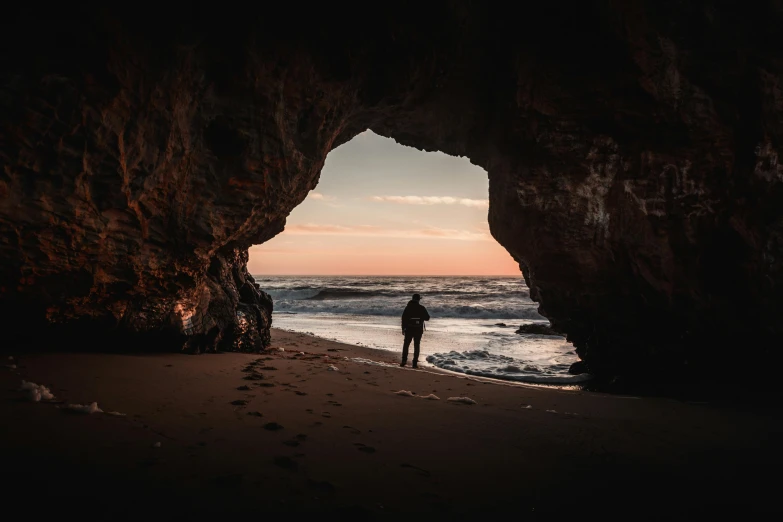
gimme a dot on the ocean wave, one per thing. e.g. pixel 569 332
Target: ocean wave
pixel 484 364
pixel 301 292
pixel 393 307
pixel 453 297
pixel 341 293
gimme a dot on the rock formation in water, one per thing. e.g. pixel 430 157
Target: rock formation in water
pixel 536 329
pixel 632 151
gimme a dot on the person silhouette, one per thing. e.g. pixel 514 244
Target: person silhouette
pixel 413 318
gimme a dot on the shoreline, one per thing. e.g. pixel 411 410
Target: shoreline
pixel 425 366
pixel 280 432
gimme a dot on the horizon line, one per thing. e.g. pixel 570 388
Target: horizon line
pixel 389 275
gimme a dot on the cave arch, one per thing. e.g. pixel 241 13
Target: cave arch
pixel 625 144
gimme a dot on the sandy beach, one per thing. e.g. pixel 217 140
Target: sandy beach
pixel 319 428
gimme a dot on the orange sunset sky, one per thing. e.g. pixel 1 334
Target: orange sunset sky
pixel 384 209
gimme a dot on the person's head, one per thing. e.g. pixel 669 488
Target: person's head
pixel 416 297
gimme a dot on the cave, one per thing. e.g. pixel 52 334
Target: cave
pixel 632 151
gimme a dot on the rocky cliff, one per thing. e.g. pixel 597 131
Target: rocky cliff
pixel 632 151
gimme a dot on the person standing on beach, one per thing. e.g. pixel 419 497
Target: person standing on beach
pixel 412 328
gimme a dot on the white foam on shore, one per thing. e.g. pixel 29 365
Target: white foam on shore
pixel 84 408
pixel 463 400
pixel 404 393
pixel 362 360
pixel 484 364
pixel 431 397
pixel 36 392
pixel 333 368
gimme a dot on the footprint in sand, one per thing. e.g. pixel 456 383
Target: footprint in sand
pixel 352 430
pixel 244 388
pixel 364 448
pixel 255 414
pixel 268 368
pixel 321 485
pixel 296 441
pixel 300 393
pixel 418 470
pixel 286 463
pixel 266 385
pixel 326 414
pixel 240 402
pixel 229 481
pixel 272 426
pixel 334 403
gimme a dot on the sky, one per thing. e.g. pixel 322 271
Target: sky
pixel 381 208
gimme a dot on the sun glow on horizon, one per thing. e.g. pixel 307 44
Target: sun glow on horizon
pixel 385 209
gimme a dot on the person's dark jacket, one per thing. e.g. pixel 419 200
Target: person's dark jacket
pixel 414 310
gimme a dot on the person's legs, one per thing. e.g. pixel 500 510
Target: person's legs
pixel 405 346
pixel 416 346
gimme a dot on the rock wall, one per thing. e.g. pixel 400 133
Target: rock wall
pixel 632 151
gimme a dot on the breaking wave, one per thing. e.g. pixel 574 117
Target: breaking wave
pixel 481 363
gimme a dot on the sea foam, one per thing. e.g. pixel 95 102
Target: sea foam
pixel 484 364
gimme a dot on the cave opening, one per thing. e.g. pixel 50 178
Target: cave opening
pixel 386 221
pixel 381 208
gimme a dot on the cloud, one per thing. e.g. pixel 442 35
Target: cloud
pixel 321 197
pixel 432 200
pixel 371 231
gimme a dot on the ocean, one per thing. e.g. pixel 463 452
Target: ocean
pixel 472 330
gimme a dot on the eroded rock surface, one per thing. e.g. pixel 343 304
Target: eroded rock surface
pixel 632 150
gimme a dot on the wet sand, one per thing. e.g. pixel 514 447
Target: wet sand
pixel 280 432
